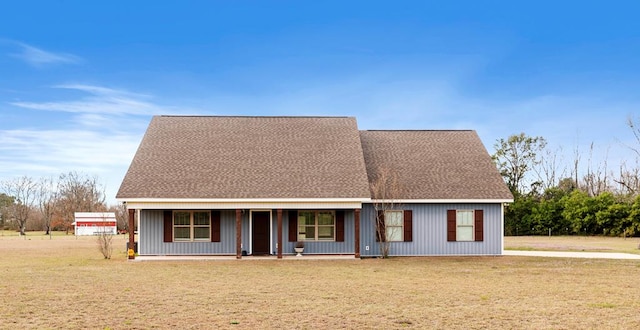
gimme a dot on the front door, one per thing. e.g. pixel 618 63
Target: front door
pixel 260 241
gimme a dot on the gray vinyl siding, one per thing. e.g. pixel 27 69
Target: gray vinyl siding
pixel 430 232
pixel 151 236
pixel 346 247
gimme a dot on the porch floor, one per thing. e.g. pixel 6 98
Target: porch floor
pixel 269 257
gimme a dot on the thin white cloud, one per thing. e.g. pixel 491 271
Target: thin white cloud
pixel 38 57
pixel 101 100
pixel 105 128
pixel 43 153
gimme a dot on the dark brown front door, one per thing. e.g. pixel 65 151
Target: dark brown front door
pixel 260 233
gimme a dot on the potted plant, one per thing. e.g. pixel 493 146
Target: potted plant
pixel 299 248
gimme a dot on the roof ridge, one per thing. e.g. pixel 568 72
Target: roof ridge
pixel 416 130
pixel 231 116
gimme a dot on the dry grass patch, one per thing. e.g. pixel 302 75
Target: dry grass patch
pixel 67 283
pixel 573 243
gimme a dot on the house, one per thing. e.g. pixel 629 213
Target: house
pixel 95 223
pixel 217 185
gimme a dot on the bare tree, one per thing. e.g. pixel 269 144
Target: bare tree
pixel 385 190
pixel 629 179
pixel 596 181
pixel 122 216
pixel 47 195
pixel 635 129
pixel 24 190
pixel 549 170
pixel 576 166
pixel 77 193
pixel 105 239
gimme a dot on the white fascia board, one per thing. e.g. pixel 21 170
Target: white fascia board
pixel 295 203
pixel 443 201
pixel 243 200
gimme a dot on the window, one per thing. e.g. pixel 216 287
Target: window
pixel 191 225
pixel 395 226
pixel 464 225
pixel 316 225
pixel 393 229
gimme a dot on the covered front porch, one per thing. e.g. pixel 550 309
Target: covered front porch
pixel 209 232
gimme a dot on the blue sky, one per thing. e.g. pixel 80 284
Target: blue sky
pixel 80 80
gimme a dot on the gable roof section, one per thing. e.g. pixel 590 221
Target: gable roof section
pixel 213 157
pixel 434 165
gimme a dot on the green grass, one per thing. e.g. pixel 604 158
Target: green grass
pixel 66 283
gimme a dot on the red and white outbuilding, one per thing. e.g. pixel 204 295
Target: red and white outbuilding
pixel 95 223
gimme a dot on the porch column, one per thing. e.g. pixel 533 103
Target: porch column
pixel 279 233
pixel 238 234
pixel 356 226
pixel 132 233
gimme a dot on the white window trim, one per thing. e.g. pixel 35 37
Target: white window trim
pixel 191 227
pixel 316 226
pixel 473 226
pixel 401 227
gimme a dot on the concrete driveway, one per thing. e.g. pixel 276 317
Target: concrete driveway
pixel 563 254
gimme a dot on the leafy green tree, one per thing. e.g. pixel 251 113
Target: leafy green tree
pixel 614 220
pixel 581 211
pixel 5 202
pixel 632 224
pixel 603 207
pixel 547 214
pixel 517 217
pixel 576 212
pixel 515 157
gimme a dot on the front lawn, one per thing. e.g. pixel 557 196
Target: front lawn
pixel 66 283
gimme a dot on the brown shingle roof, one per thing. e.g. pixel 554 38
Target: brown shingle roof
pixel 434 164
pixel 248 157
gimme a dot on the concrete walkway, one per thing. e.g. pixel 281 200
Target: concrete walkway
pixel 563 254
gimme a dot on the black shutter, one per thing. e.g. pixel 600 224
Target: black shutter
pixel 215 226
pixel 340 226
pixel 451 225
pixel 479 224
pixel 408 225
pixel 168 226
pixel 293 226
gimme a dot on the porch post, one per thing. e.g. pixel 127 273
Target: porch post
pixel 132 233
pixel 356 220
pixel 238 234
pixel 279 233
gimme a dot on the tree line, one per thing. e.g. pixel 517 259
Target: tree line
pixel 50 203
pixel 552 196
